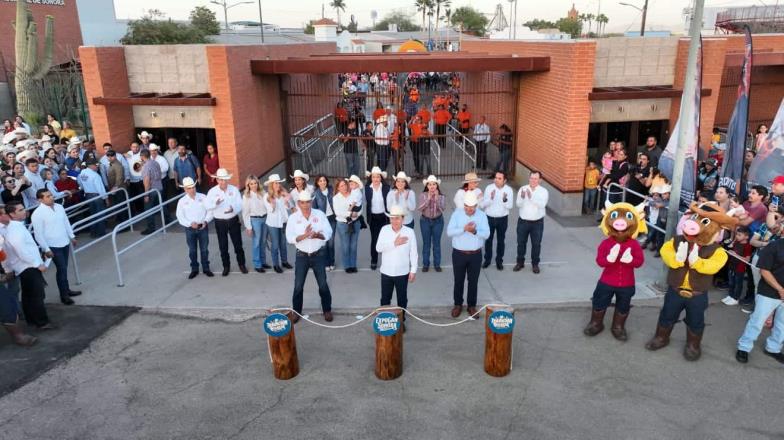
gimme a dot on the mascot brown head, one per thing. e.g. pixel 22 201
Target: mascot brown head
pixel 705 223
pixel 623 221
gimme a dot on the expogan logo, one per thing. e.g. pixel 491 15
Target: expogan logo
pixel 386 324
pixel 277 325
pixel 501 322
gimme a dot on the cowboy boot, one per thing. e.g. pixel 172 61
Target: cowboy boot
pixel 692 349
pixel 19 337
pixel 618 328
pixel 661 339
pixel 597 323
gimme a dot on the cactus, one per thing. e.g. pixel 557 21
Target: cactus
pixel 28 65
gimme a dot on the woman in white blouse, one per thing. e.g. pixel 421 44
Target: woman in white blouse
pixel 254 217
pixel 402 195
pixel 300 184
pixel 470 184
pixel 348 230
pixel 277 203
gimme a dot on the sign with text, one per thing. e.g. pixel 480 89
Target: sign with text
pixel 386 324
pixel 41 2
pixel 277 325
pixel 501 322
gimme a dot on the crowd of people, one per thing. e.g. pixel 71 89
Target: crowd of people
pixel 757 209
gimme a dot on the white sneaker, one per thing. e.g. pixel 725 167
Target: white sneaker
pixel 729 301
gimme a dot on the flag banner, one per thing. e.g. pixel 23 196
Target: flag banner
pixel 732 167
pixel 692 126
pixel 769 161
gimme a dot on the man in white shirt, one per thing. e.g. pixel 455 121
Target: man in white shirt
pixel 92 186
pixel 468 230
pixel 36 183
pixel 170 155
pixel 532 202
pixel 164 164
pixel 481 137
pixel 398 248
pixel 135 184
pixel 309 230
pixel 54 235
pixel 24 259
pixel 194 216
pixel 497 203
pixel 225 202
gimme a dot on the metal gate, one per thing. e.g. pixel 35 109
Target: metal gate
pixel 318 138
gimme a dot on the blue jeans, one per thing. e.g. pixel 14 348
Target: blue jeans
pixel 737 281
pixel 498 226
pixel 504 154
pixel 96 206
pixel 329 247
pixel 60 260
pixel 674 304
pixel 352 163
pixel 151 204
pixel 431 236
pixel 301 266
pixel 382 153
pixel 589 199
pixel 278 241
pixel 259 239
pixel 9 303
pixel 349 238
pixel 763 308
pixel 198 241
pixel 535 230
pixel 603 295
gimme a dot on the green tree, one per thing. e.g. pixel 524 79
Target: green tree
pixel 441 3
pixel 569 26
pixel 537 24
pixel 204 20
pixel 153 28
pixel 352 26
pixel 471 20
pixel 423 6
pixel 309 29
pixel 338 5
pixel 601 21
pixel 398 17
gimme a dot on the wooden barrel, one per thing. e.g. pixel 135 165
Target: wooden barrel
pixel 283 352
pixel 498 340
pixel 389 348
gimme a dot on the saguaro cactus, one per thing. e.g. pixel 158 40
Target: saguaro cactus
pixel 29 66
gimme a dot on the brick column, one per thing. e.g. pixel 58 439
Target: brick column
pixel 105 75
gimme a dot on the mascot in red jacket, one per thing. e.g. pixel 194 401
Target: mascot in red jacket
pixel 618 255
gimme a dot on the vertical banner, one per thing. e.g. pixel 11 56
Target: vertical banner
pixel 769 161
pixel 692 126
pixel 731 171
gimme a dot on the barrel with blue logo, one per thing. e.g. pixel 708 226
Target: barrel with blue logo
pixel 499 327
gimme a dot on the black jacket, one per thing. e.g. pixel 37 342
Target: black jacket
pixel 369 197
pixel 320 201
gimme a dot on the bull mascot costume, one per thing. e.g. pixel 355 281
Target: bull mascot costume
pixel 618 255
pixel 693 257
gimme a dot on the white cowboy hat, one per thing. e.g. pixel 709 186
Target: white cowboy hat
pixel 381 119
pixel 9 137
pixel 274 178
pixel 154 147
pixel 396 211
pixel 25 155
pixel 144 134
pixel 471 177
pixel 304 196
pixel 46 138
pixel 222 174
pixel 376 170
pixel 470 199
pixel 74 141
pixel 20 130
pixel 661 189
pixel 431 178
pixel 299 173
pixel 354 178
pixel 72 147
pixel 402 175
pixel 188 182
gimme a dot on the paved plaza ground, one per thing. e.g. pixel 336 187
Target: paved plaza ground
pixel 163 377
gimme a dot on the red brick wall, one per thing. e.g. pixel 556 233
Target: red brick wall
pixel 553 110
pixel 67 33
pixel 489 94
pixel 104 72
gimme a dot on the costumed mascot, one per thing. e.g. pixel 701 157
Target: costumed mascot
pixel 692 258
pixel 618 254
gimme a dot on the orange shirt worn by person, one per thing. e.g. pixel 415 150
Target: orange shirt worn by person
pixel 424 114
pixel 377 113
pixel 413 95
pixel 465 119
pixel 442 117
pixel 341 114
pixel 416 131
pixel 401 117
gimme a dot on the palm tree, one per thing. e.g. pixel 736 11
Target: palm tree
pixel 589 17
pixel 439 3
pixel 603 19
pixel 582 18
pixel 339 5
pixel 423 6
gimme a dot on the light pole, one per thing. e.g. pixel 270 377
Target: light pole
pixel 261 23
pixel 644 11
pixel 226 6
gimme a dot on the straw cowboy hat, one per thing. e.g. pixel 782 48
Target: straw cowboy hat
pixel 431 178
pixel 24 156
pixel 396 211
pixel 354 178
pixel 20 130
pixel 154 147
pixel 45 138
pixel 376 170
pixel 661 189
pixel 274 178
pixel 304 196
pixel 143 135
pixel 470 199
pixel 74 141
pixel 471 177
pixel 299 173
pixel 222 174
pixel 402 175
pixel 188 182
pixel 9 137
